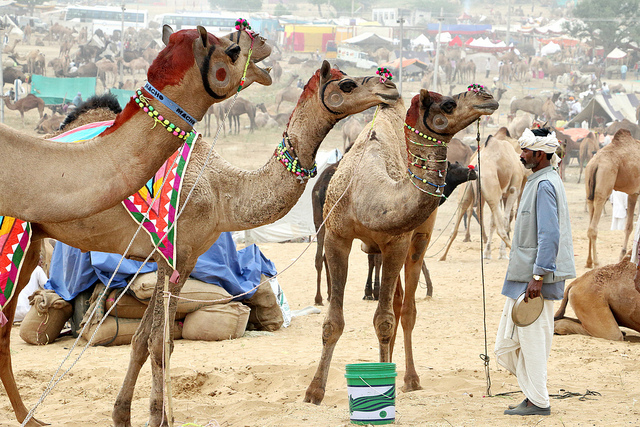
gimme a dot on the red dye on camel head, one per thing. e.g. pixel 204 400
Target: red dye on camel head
pixel 174 60
pixel 414 109
pixel 311 88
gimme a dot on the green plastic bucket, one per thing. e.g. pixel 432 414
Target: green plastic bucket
pixel 372 392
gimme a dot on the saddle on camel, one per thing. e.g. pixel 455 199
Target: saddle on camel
pixel 225 198
pixel 195 69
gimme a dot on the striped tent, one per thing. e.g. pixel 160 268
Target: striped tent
pixel 609 108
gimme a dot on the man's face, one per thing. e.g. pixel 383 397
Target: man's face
pixel 529 158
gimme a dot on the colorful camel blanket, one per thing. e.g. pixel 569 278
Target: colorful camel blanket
pixel 15 236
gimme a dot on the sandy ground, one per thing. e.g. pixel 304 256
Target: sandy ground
pixel 261 380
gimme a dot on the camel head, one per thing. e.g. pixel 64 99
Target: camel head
pixel 341 95
pixel 441 117
pixel 213 65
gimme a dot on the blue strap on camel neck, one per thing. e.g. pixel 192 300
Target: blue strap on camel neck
pixel 170 104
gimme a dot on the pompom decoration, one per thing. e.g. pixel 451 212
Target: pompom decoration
pixel 384 74
pixel 475 88
pixel 471 167
pixel 242 24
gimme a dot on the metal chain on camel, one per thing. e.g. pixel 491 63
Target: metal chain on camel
pixel 484 356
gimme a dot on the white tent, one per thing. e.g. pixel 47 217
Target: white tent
pixel 616 54
pixel 550 49
pixel 445 37
pixel 423 41
pixel 299 221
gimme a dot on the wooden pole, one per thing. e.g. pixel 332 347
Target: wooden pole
pixel 167 352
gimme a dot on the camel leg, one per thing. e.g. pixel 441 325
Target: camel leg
pixel 594 313
pixel 121 414
pixel 319 261
pixel 337 252
pixel 465 203
pixel 384 322
pixel 427 278
pixel 6 371
pixel 631 207
pixel 595 211
pixel 398 297
pixel 377 265
pixel 509 208
pixel 368 287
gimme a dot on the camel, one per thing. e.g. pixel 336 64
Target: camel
pixel 27 103
pixel 240 107
pixel 517 125
pixel 589 146
pixel 456 175
pixel 638 114
pixel 48 124
pixel 614 167
pixel 623 124
pixel 219 204
pixel 78 180
pixel 502 176
pixel 530 104
pixel 351 128
pixel 387 207
pixel 10 48
pixel 603 299
pixel 458 152
pixel 10 74
pixel 289 93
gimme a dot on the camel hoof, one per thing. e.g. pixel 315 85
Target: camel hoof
pixel 368 297
pixel 466 239
pixel 314 396
pixel 319 303
pixel 411 386
pixel 443 258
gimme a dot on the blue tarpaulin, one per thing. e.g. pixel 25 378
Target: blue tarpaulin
pixel 236 271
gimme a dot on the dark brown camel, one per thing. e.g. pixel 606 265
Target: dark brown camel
pixel 588 148
pixel 240 107
pixel 388 206
pixel 27 103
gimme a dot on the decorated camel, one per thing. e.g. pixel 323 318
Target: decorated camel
pixel 183 60
pixel 615 167
pixel 603 300
pixel 456 174
pixel 78 180
pixel 589 146
pixel 502 178
pixel 226 198
pixel 387 205
pixel 27 103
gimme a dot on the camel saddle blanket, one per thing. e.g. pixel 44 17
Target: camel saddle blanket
pixel 154 205
pixel 15 236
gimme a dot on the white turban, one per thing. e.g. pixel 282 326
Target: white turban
pixel 548 144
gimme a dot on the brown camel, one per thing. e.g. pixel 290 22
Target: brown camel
pixel 615 167
pixel 623 124
pixel 530 104
pixel 78 180
pixel 240 107
pixel 27 103
pixel 589 146
pixel 603 299
pixel 289 93
pixel 502 177
pixel 351 128
pixel 219 204
pixel 387 207
pixel 48 124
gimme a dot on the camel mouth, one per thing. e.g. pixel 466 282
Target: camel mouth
pixel 489 107
pixel 262 75
pixel 389 96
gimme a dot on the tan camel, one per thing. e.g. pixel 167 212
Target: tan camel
pixel 78 180
pixel 219 204
pixel 351 128
pixel 589 146
pixel 615 167
pixel 27 103
pixel 623 124
pixel 502 178
pixel 386 206
pixel 289 93
pixel 459 152
pixel 48 124
pixel 603 299
pixel 517 124
pixel 10 48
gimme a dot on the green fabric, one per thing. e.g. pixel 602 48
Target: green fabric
pixel 62 90
pixel 123 96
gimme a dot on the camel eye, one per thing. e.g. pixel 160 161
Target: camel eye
pixel 449 106
pixel 347 85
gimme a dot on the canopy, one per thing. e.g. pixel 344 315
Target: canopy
pixel 550 49
pixel 56 90
pixel 365 40
pixel 422 40
pixel 456 41
pixel 236 271
pixel 616 54
pixel 617 106
pixel 409 66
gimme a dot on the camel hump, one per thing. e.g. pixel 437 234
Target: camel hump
pixel 622 135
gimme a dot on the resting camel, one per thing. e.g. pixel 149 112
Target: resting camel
pixel 78 180
pixel 27 103
pixel 615 167
pixel 386 206
pixel 502 178
pixel 603 299
pixel 178 74
pixel 227 198
pixel 589 146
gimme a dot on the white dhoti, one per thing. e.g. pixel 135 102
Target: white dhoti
pixel 525 351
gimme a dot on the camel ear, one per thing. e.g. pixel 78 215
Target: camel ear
pixel 325 72
pixel 204 36
pixel 425 98
pixel 166 33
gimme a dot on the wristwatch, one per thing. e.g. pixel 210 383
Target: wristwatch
pixel 537 278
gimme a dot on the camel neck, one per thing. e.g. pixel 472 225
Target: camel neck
pixel 427 158
pixel 167 102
